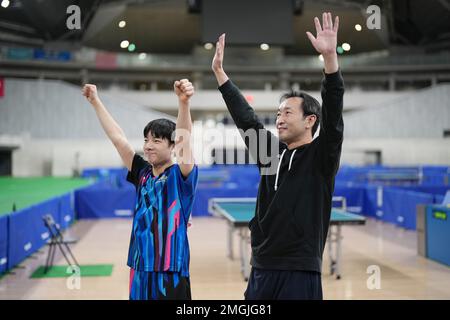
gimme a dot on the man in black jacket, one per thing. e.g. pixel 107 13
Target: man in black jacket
pixel 290 226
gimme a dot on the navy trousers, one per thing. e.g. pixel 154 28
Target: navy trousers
pixel 283 285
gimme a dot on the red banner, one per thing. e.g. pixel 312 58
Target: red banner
pixel 2 87
pixel 106 60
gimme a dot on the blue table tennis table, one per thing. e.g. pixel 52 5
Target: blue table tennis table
pixel 239 211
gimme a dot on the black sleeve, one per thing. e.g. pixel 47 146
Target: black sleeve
pixel 137 166
pixel 263 146
pixel 332 125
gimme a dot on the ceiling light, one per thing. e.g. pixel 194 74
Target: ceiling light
pixel 264 46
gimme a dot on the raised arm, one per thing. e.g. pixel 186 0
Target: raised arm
pixel 241 112
pixel 217 63
pixel 184 90
pixel 332 124
pixel 110 126
pixel 261 143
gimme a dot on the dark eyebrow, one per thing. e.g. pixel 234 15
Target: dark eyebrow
pixel 285 108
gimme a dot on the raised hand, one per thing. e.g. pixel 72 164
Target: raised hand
pixel 90 92
pixel 326 35
pixel 183 89
pixel 218 56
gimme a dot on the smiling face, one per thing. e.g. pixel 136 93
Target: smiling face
pixel 158 144
pixel 291 123
pixel 158 151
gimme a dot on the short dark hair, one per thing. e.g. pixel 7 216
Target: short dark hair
pixel 161 129
pixel 309 106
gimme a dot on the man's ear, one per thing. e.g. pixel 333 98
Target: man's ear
pixel 312 120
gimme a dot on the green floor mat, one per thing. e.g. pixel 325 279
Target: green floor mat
pixel 24 192
pixel 96 270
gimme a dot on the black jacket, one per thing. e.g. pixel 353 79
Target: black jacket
pixel 290 226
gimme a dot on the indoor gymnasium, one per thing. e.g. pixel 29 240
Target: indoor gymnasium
pixel 224 150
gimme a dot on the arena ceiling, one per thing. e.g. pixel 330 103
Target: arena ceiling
pixel 174 26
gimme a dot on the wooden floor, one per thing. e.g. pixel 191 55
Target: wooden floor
pixel 404 275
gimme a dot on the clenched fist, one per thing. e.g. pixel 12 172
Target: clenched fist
pixel 90 92
pixel 183 89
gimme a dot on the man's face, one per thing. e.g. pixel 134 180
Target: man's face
pixel 291 125
pixel 157 150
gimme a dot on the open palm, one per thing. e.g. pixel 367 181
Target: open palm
pixel 326 35
pixel 218 56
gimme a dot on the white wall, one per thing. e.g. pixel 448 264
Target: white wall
pixel 48 132
pixel 49 109
pixel 398 151
pixel 205 100
pixel 47 122
pixel 424 114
